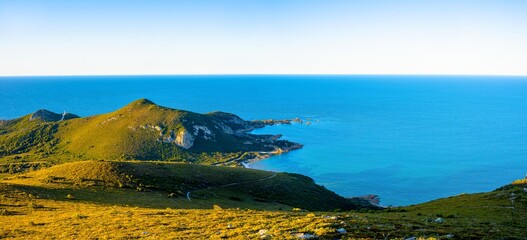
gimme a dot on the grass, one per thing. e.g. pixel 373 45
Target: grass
pixel 84 200
pixel 208 185
pixel 30 212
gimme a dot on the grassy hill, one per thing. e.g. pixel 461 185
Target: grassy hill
pixel 204 185
pixel 141 130
pixel 70 201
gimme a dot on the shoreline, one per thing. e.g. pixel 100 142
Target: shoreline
pixel 245 164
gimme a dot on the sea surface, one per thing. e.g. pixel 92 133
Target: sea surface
pixel 408 139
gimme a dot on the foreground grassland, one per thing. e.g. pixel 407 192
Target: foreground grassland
pixel 136 182
pixel 477 216
pixel 35 209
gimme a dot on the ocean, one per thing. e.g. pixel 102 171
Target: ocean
pixel 408 139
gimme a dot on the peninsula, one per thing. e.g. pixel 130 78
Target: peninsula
pixel 141 130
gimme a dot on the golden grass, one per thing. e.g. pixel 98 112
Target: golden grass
pixel 32 217
pixel 28 212
pixel 33 208
pixel 520 181
pixel 93 180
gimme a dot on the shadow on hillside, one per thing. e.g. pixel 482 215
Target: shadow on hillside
pixel 147 199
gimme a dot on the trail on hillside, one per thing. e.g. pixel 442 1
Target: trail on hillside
pixel 231 184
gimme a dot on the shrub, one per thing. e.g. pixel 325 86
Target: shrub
pixel 79 216
pixel 217 207
pixel 4 212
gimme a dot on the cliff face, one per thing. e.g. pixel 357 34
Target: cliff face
pixel 231 123
pixel 144 130
pixel 184 139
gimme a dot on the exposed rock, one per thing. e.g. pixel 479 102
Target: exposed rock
pixel 230 121
pixel 184 139
pixel 262 231
pixel 4 122
pixel 439 220
pixel 298 120
pixel 268 122
pixel 372 198
pixel 224 128
pixel 285 149
pixel 263 234
pixel 207 134
pixel 48 116
pixel 305 235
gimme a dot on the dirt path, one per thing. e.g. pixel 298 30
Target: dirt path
pixel 232 184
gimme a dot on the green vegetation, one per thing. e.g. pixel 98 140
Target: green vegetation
pixel 34 206
pixel 207 184
pixel 141 130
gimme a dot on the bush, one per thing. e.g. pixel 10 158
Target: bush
pixel 79 216
pixel 4 212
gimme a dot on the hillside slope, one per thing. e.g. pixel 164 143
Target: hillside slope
pixel 141 130
pixel 191 182
pixel 34 209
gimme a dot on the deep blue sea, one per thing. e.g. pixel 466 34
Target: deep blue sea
pixel 409 139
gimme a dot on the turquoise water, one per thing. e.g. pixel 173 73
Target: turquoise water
pixel 408 139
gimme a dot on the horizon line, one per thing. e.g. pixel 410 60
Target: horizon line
pixel 265 74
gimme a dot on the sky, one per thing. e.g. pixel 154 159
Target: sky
pixel 132 37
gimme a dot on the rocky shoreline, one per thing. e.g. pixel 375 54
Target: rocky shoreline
pixel 271 122
pixel 272 142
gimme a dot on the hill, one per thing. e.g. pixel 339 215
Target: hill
pixel 35 206
pixel 191 183
pixel 141 130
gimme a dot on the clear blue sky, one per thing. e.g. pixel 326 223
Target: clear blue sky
pixel 74 37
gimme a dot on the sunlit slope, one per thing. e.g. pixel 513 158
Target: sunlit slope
pixel 32 207
pixel 191 182
pixel 141 130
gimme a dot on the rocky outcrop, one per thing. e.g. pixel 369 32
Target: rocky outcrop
pixel 231 123
pixel 269 122
pixel 184 139
pixel 371 198
pixel 48 116
pixel 203 131
pixel 4 122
